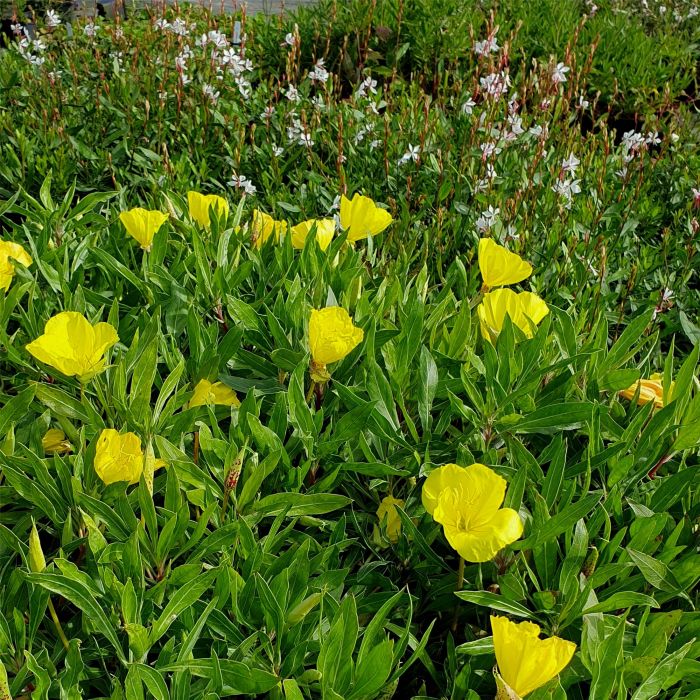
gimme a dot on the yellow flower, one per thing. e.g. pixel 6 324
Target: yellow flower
pixel 55 441
pixel 201 204
pixel 264 226
pixel 143 224
pixel 499 266
pixel 213 394
pixel 651 389
pixel 72 345
pixel 11 251
pixel 521 308
pixel 332 335
pixel 120 458
pixel 388 514
pixel 525 661
pixel 361 217
pixel 466 501
pixel 325 230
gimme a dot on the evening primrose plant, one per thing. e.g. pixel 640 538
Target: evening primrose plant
pixel 403 400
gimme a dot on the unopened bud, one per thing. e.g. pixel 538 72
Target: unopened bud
pixel 37 562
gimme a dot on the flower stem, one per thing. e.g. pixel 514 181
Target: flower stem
pixel 310 392
pixel 458 587
pixel 57 624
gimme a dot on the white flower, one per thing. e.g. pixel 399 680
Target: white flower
pixel 413 153
pixel 178 27
pixel 163 95
pixel 652 138
pixel 515 125
pixel 566 189
pixel 696 196
pixel 468 106
pixel 52 18
pixel 487 219
pixel 118 33
pixel 162 24
pixel 55 75
pixel 290 39
pixel 277 150
pixel 210 93
pixel 319 73
pixel 489 149
pixel 368 85
pixel 495 85
pixel 374 144
pixel 306 140
pixel 268 113
pixel 559 73
pixel 621 173
pixel 241 182
pixel 17 29
pixel 90 29
pixel 583 102
pixel 482 48
pixel 569 165
pixel 292 94
pixel 244 87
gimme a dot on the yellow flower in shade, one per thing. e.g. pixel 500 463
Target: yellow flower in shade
pixel 332 336
pixel 55 441
pixel 120 458
pixel 525 661
pixel 216 394
pixel 143 224
pixel 651 389
pixel 11 252
pixel 388 515
pixel 72 345
pixel 201 204
pixel 264 226
pixel 466 501
pixel 361 217
pixel 521 308
pixel 499 266
pixel 325 230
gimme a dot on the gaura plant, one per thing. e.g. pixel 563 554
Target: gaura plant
pixel 467 501
pixel 213 394
pixel 10 252
pixel 143 224
pixel 264 226
pixel 499 266
pixel 332 336
pixel 73 346
pixel 524 309
pixel 119 457
pixel 526 662
pixel 201 206
pixel 323 228
pixel 362 218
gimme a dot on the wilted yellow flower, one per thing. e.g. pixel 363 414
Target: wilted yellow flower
pixel 499 266
pixel 120 457
pixel 200 205
pixel 264 226
pixel 388 514
pixel 521 308
pixel 651 389
pixel 325 230
pixel 361 217
pixel 55 441
pixel 213 394
pixel 73 345
pixel 466 501
pixel 525 661
pixel 143 224
pixel 332 335
pixel 11 251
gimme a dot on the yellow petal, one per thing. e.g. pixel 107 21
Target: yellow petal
pixel 143 224
pixel 118 457
pixel 264 226
pixel 483 541
pixel 361 217
pixel 201 204
pixel 499 266
pixel 525 661
pixel 388 514
pixel 522 309
pixel 324 230
pixel 650 390
pixel 438 480
pixel 332 335
pixel 213 394
pixel 11 253
pixel 55 441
